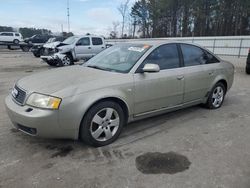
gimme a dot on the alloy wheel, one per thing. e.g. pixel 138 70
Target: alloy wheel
pixel 218 96
pixel 105 124
pixel 66 61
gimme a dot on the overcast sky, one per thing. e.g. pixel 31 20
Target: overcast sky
pixel 86 16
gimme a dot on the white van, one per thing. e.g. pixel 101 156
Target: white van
pixel 10 37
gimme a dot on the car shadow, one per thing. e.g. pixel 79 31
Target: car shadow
pixel 132 133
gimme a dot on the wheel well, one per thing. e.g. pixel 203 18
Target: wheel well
pixel 224 83
pixel 69 54
pixel 113 99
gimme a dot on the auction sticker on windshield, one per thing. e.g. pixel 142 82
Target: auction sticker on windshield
pixel 138 49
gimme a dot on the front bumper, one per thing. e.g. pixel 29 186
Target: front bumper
pixel 35 121
pixel 56 58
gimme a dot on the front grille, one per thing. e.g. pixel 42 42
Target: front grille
pixel 19 95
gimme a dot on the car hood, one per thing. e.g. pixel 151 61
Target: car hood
pixel 68 81
pixel 51 44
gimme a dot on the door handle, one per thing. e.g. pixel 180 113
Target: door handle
pixel 180 77
pixel 89 47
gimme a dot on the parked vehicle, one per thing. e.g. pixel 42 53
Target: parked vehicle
pixel 126 82
pixel 73 49
pixel 248 63
pixel 38 49
pixel 36 39
pixel 10 37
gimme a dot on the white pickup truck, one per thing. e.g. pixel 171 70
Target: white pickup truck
pixel 73 49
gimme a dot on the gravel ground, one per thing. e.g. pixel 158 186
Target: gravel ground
pixel 203 148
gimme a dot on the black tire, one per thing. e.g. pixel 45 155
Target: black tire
pixel 16 41
pixel 70 58
pixel 51 63
pixel 87 124
pixel 37 54
pixel 211 101
pixel 25 48
pixel 248 70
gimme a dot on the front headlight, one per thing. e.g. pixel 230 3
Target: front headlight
pixel 44 101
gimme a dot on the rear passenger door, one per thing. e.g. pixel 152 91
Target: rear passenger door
pixel 196 78
pixel 97 45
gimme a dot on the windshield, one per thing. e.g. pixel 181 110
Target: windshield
pixel 118 58
pixel 51 40
pixel 70 40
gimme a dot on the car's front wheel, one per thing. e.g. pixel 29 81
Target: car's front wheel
pixel 216 96
pixel 52 63
pixel 67 60
pixel 102 124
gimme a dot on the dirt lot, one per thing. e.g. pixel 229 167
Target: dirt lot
pixel 207 148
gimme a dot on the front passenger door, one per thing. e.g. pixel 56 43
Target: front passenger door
pixel 164 89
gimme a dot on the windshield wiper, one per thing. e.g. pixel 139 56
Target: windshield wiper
pixel 96 67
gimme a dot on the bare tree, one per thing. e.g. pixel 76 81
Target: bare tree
pixel 114 32
pixel 123 9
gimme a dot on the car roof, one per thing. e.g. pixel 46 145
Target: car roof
pixel 152 42
pixel 80 36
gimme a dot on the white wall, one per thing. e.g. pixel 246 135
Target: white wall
pixel 226 45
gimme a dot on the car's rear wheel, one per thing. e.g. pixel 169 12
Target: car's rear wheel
pixel 16 41
pixel 248 70
pixel 216 96
pixel 38 53
pixel 25 48
pixel 102 124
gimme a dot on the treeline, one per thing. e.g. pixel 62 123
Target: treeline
pixel 173 18
pixel 26 32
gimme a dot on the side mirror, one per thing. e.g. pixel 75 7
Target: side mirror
pixel 151 68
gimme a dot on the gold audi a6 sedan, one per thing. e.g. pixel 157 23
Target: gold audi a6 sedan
pixel 125 82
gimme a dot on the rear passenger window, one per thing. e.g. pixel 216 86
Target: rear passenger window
pixel 97 41
pixel 192 55
pixel 165 56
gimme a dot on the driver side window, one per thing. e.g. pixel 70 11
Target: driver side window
pixel 84 42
